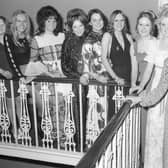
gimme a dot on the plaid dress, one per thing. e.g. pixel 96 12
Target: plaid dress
pixel 48 50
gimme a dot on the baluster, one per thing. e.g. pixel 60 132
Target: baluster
pixel 4 117
pixel 46 123
pixel 69 125
pixel 118 97
pixel 24 120
pixel 92 127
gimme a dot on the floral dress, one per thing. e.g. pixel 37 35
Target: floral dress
pixel 92 61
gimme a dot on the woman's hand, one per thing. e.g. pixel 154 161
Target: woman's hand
pixel 101 78
pixel 84 79
pixel 119 81
pixel 134 99
pixel 137 89
pixel 7 74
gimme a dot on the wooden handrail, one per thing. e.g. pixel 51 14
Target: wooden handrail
pixel 69 80
pixel 94 153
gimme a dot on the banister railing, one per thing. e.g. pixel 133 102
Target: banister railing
pixel 31 120
pixel 118 144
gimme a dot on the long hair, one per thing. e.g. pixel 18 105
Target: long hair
pixel 43 14
pixel 163 14
pixel 150 15
pixel 27 32
pixel 113 15
pixel 102 15
pixel 76 14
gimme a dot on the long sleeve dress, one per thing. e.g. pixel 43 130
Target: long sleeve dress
pixel 155 96
pixel 72 67
pixel 156 114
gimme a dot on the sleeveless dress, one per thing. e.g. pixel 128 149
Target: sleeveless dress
pixel 142 63
pixel 120 58
pixel 155 115
pixel 121 64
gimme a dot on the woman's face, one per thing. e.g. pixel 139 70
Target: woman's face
pixel 144 27
pixel 78 28
pixel 164 27
pixel 21 23
pixel 2 27
pixel 96 22
pixel 119 23
pixel 50 24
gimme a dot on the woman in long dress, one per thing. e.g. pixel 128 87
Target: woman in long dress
pixel 118 55
pixel 155 150
pixel 145 29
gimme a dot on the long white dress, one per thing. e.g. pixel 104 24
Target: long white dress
pixel 155 115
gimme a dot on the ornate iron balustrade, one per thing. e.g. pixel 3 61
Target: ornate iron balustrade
pixel 38 119
pixel 118 145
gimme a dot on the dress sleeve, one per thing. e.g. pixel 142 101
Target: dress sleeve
pixel 154 96
pixel 67 61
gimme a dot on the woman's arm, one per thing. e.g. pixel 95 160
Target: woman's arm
pixel 158 93
pixel 67 61
pixel 134 63
pixel 146 76
pixel 34 52
pixel 7 74
pixel 106 44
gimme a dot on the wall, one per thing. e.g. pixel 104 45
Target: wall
pixel 130 7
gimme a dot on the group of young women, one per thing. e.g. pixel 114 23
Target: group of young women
pixel 94 47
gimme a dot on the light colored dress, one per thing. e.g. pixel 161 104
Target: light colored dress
pixel 156 114
pixel 47 52
pixel 142 63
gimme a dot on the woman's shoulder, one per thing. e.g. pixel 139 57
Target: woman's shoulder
pixel 107 36
pixel 129 37
pixel 61 36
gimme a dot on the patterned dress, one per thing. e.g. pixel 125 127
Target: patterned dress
pixel 91 54
pixel 156 114
pixel 47 50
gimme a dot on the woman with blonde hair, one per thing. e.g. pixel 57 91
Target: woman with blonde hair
pixel 17 44
pixel 118 54
pixel 17 47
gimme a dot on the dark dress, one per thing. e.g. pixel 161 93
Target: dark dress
pixel 120 58
pixel 71 59
pixel 71 56
pixel 17 55
pixel 121 65
pixel 4 61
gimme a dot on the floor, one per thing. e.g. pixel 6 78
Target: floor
pixel 9 162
